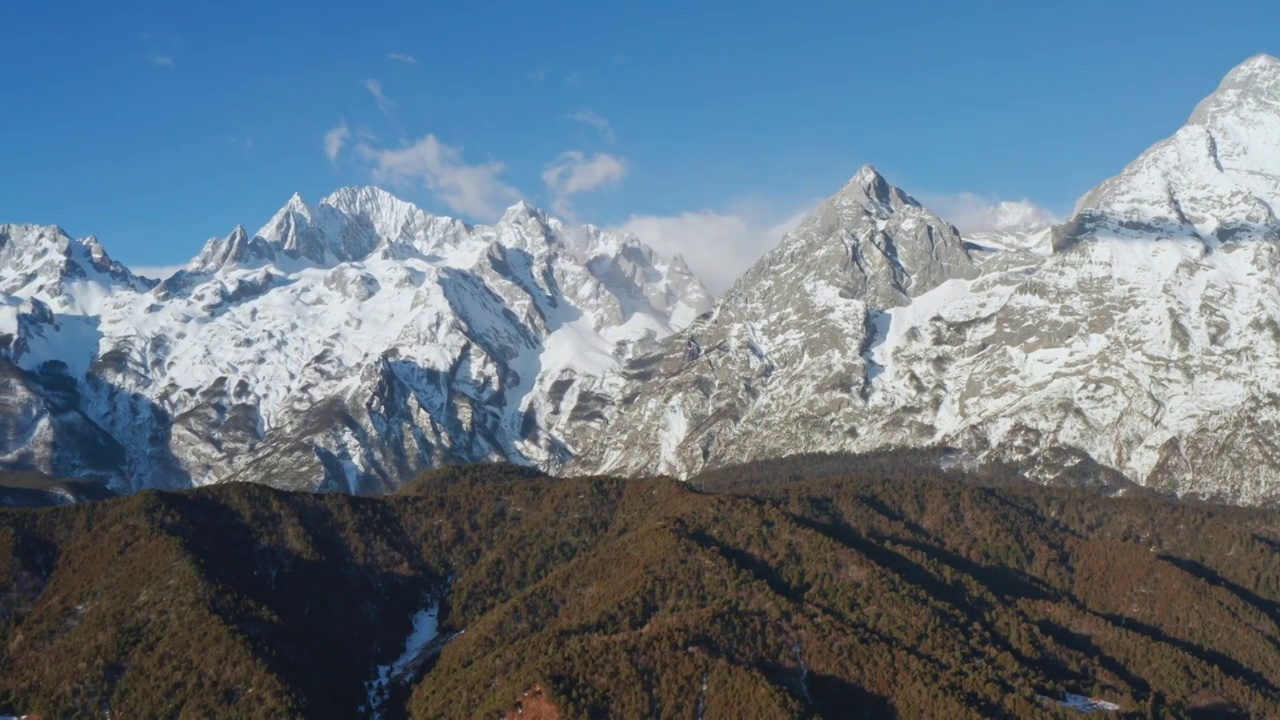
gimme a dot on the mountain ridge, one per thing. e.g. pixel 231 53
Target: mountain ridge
pixel 352 343
pixel 316 314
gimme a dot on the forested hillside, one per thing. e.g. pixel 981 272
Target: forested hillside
pixel 815 587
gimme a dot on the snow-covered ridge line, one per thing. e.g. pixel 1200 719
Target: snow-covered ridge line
pixel 367 338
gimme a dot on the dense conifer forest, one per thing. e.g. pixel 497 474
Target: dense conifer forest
pixel 813 587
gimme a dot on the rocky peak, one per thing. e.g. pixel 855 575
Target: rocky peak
pixel 298 205
pixel 37 261
pixel 289 226
pixel 365 200
pixel 527 228
pixel 868 189
pixel 871 241
pixel 294 213
pixel 521 212
pixel 21 241
pixel 236 250
pixel 390 217
pixel 1215 181
pixel 1252 84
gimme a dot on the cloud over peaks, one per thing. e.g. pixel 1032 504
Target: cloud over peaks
pixel 717 246
pixel 574 172
pixel 473 190
pixel 157 272
pixel 385 104
pixel 974 213
pixel 335 140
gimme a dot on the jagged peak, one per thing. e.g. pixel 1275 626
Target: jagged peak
pixel 522 211
pixel 278 224
pixel 1214 180
pixel 35 232
pixel 56 240
pixel 390 216
pixel 868 188
pixel 1260 67
pixel 1254 82
pixel 902 250
pixel 298 205
pixel 360 199
pixel 867 175
pixel 47 255
pixel 28 227
pixel 231 250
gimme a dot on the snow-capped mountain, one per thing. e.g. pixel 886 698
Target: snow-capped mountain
pixel 785 357
pixel 1216 180
pixel 1141 336
pixel 349 345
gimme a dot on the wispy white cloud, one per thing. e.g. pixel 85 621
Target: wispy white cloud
pixel 539 73
pixel 476 191
pixel 718 246
pixel 574 78
pixel 158 272
pixel 335 139
pixel 975 213
pixel 574 172
pixel 160 49
pixel 595 120
pixel 403 58
pixel 385 104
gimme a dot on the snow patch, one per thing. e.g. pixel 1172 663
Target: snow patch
pixel 1080 703
pixel 9 315
pixel 425 629
pixel 675 427
pixel 577 346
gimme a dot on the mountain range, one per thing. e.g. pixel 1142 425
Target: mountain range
pixel 351 344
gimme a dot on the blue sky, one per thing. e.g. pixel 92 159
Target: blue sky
pixel 158 125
